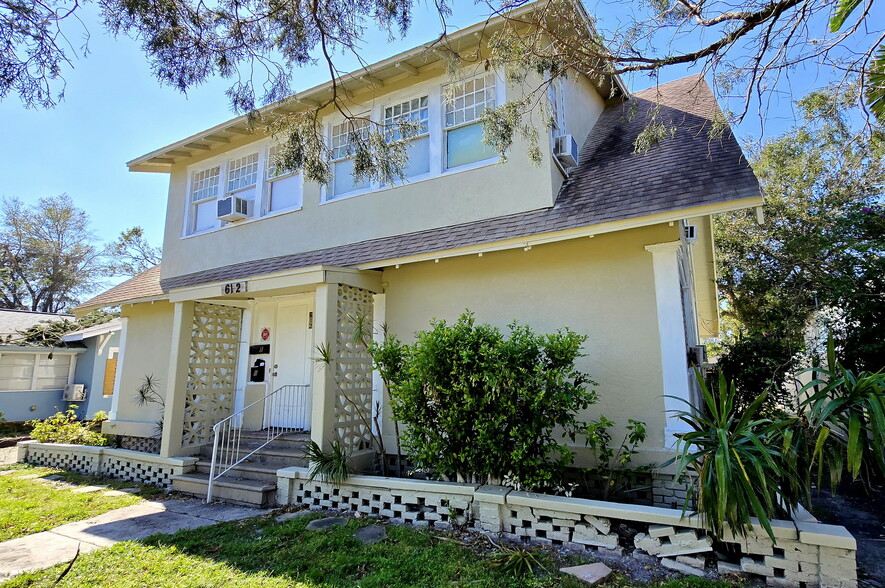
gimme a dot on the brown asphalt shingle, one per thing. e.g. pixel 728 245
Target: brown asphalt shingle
pixel 143 285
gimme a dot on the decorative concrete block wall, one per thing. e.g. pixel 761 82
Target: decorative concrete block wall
pixel 132 466
pixel 807 553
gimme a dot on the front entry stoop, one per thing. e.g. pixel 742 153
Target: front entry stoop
pixel 251 483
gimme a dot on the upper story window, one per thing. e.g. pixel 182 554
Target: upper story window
pixel 284 187
pixel 465 102
pixel 344 138
pixel 557 108
pixel 204 193
pixel 240 177
pixel 414 111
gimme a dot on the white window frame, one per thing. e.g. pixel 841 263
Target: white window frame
pixel 266 190
pixel 556 96
pixel 428 132
pixel 328 194
pixel 191 220
pixel 500 98
pixel 261 202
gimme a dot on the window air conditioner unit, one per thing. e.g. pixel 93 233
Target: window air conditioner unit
pixel 233 208
pixel 74 393
pixel 691 233
pixel 566 150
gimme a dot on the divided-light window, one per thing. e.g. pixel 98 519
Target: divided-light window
pixel 204 193
pixel 464 104
pixel 284 187
pixel 345 137
pixel 415 112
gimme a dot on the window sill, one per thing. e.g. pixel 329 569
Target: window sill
pixel 416 180
pixel 242 222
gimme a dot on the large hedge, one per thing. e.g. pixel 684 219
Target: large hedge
pixel 482 406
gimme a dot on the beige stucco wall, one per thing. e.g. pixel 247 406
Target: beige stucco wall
pixel 601 287
pixel 146 352
pixel 456 196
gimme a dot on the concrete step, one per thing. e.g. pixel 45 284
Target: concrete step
pixel 229 489
pixel 244 470
pixel 288 443
pixel 266 458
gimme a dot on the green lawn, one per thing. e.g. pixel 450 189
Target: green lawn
pixel 261 552
pixel 28 506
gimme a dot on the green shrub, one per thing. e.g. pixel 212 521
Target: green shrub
pixel 758 363
pixel 847 410
pixel 613 466
pixel 744 466
pixel 482 406
pixel 63 427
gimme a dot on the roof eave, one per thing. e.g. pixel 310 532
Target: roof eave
pixel 160 161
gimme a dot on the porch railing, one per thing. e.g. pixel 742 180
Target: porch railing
pixel 286 409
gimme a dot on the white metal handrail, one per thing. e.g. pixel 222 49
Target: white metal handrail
pixel 286 409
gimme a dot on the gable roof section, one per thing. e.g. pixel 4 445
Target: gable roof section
pixel 611 183
pixel 143 286
pixel 13 321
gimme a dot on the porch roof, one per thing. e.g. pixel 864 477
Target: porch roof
pixel 613 188
pixel 142 287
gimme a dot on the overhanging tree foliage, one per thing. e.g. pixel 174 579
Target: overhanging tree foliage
pixel 821 247
pixel 131 253
pixel 260 46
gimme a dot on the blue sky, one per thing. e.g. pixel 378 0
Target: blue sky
pixel 114 110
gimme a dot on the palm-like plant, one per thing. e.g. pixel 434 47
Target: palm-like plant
pixel 848 411
pixel 744 466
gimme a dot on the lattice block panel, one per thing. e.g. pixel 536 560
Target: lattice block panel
pixel 141 472
pixel 212 367
pixel 422 509
pixel 62 458
pixel 353 369
pixel 143 444
pixel 526 524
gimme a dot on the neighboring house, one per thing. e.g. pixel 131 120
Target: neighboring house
pixel 97 366
pixel 618 247
pixel 32 378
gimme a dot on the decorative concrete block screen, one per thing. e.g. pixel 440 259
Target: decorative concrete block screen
pixel 353 370
pixel 132 466
pixel 212 368
pixel 807 554
pixel 143 444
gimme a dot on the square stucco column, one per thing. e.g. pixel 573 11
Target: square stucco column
pixel 176 379
pixel 325 333
pixel 671 334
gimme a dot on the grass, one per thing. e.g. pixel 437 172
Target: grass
pixel 28 506
pixel 260 552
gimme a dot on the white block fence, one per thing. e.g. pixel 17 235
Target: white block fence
pixel 807 554
pixel 133 466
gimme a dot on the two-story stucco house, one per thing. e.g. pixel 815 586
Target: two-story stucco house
pixel 617 247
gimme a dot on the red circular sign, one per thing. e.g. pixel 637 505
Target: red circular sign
pixel 265 334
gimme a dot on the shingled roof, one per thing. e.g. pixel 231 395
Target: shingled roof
pixel 612 183
pixel 142 286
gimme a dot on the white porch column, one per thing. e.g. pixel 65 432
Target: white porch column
pixel 325 333
pixel 671 334
pixel 121 358
pixel 176 380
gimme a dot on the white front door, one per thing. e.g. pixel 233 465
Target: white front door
pixel 292 352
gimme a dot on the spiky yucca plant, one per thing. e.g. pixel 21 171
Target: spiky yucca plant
pixel 744 466
pixel 329 466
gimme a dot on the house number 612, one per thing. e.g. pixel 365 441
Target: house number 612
pixel 234 288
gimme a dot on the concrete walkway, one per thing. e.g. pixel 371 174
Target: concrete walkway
pixel 46 549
